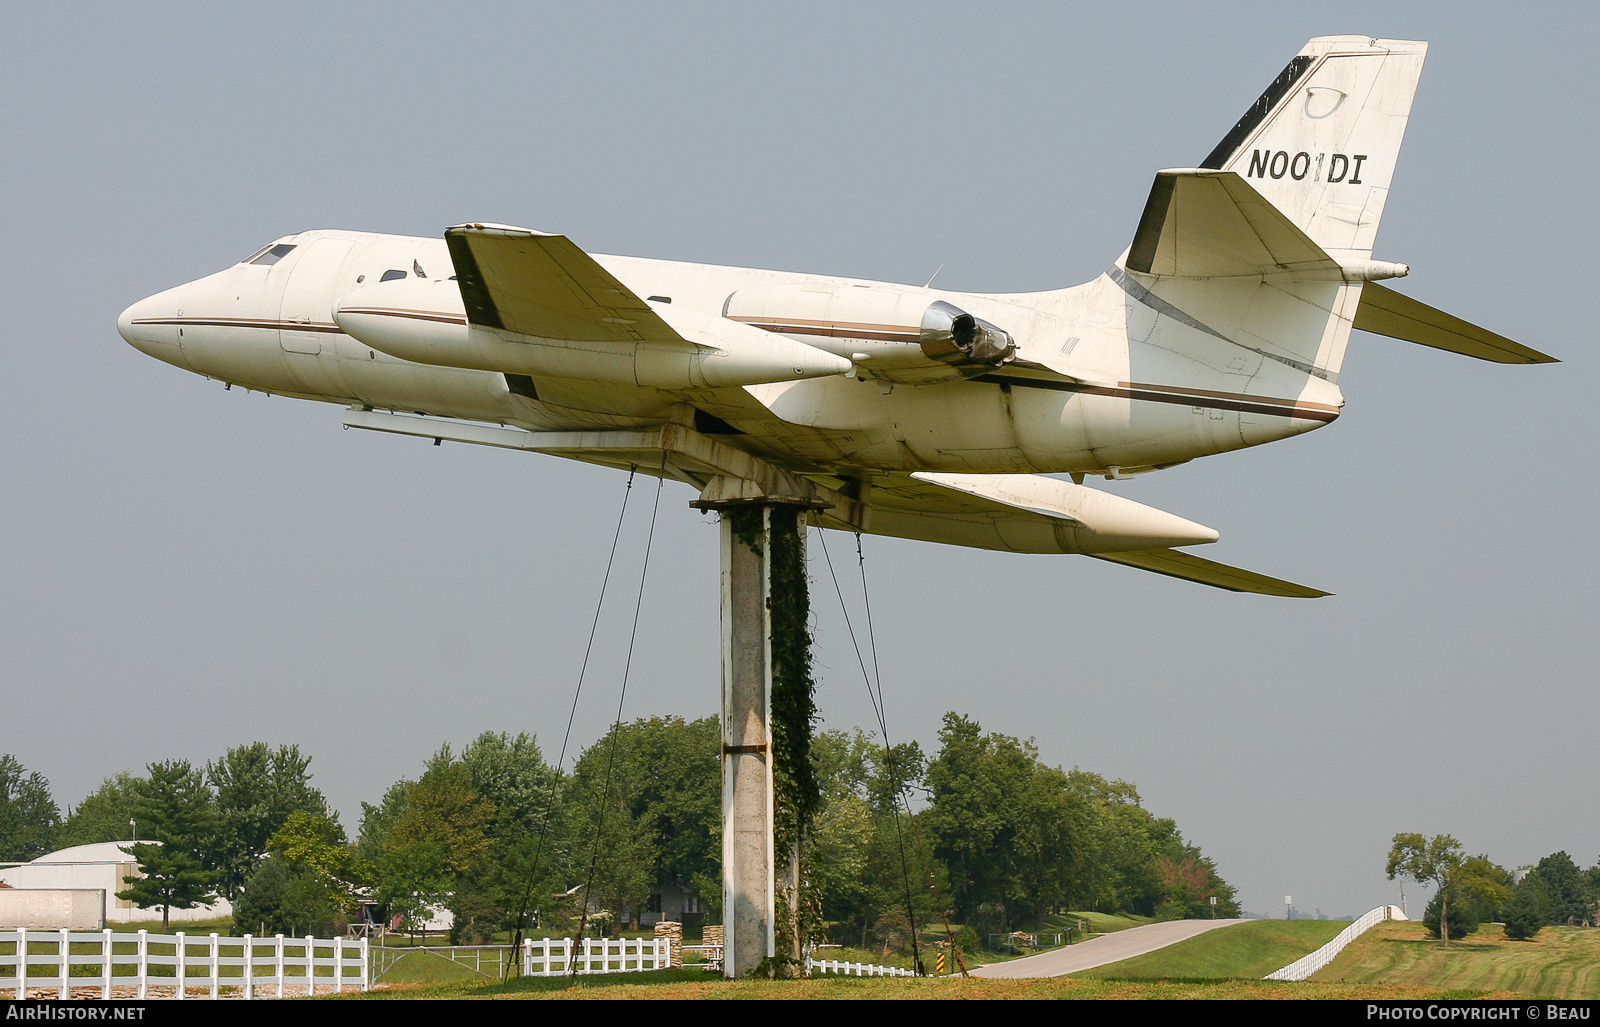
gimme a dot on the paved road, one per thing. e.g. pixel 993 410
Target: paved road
pixel 1108 948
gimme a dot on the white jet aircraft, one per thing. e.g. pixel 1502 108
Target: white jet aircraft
pixel 912 412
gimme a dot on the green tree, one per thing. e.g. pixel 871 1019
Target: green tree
pixel 975 780
pixel 526 860
pixel 105 813
pixel 1460 880
pixel 512 774
pixel 434 833
pixel 257 788
pixel 1568 890
pixel 29 818
pixel 866 863
pixel 613 852
pixel 1526 913
pixel 676 771
pixel 1020 837
pixel 1118 870
pixel 1463 916
pixel 306 884
pixel 176 809
pixel 377 821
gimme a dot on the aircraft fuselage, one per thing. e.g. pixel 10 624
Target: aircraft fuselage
pixel 1105 380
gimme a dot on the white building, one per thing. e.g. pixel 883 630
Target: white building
pixel 103 865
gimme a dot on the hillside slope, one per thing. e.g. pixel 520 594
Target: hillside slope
pixel 1251 950
pixel 1561 962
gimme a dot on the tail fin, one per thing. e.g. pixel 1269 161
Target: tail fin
pixel 1322 141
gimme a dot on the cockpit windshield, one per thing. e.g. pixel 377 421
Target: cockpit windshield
pixel 269 254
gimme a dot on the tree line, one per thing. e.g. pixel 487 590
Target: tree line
pixel 1474 890
pixel 996 840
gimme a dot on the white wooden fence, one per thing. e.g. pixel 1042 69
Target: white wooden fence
pixel 838 966
pixel 1305 966
pixel 108 964
pixel 553 957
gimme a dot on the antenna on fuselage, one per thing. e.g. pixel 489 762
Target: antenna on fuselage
pixel 929 283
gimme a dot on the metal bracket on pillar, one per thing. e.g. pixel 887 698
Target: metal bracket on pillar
pixel 749 859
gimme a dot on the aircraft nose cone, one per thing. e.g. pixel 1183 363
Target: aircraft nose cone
pixel 149 326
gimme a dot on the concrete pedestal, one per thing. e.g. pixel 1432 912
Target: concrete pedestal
pixel 747 846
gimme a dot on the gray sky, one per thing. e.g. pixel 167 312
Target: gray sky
pixel 184 569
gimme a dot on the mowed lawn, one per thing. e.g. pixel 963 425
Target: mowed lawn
pixel 669 985
pixel 1560 962
pixel 1249 950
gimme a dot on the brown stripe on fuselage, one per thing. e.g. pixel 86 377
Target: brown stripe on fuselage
pixel 832 329
pixel 1179 397
pixel 240 322
pixel 413 315
pixel 1125 390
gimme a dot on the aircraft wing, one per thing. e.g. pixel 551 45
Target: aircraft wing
pixel 1177 564
pixel 1386 312
pixel 1213 224
pixel 1030 513
pixel 542 285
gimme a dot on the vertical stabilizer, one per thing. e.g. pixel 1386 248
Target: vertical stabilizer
pixel 1322 141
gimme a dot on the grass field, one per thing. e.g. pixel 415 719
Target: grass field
pixel 426 968
pixel 1250 950
pixel 698 985
pixel 1560 962
pixel 1099 923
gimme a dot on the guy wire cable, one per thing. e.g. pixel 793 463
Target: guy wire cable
pixel 878 708
pixel 555 779
pixel 876 700
pixel 616 730
pixel 916 832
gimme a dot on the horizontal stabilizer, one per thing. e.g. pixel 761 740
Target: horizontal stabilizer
pixel 1199 223
pixel 1208 572
pixel 1386 312
pixel 544 286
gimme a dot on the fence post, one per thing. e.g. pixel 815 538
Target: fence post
pixel 248 973
pixel 105 963
pixel 63 989
pixel 366 965
pixel 179 970
pixel 311 965
pixel 21 963
pixel 144 963
pixel 216 963
pixel 338 965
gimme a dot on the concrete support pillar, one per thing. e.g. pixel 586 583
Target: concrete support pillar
pixel 750 862
pixel 748 859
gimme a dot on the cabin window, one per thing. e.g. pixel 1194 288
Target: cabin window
pixel 391 276
pixel 270 255
pixel 659 299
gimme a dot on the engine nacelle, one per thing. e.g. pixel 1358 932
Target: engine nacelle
pixel 894 334
pixel 425 321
